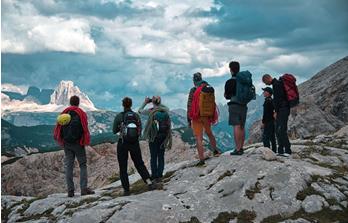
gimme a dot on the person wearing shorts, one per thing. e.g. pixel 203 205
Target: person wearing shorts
pixel 237 111
pixel 201 124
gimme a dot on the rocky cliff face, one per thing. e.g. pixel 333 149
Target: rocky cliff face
pixel 323 107
pixel 43 174
pixel 44 101
pixel 310 186
pixel 65 90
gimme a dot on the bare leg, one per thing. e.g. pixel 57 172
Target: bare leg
pixel 200 149
pixel 243 138
pixel 212 140
pixel 239 137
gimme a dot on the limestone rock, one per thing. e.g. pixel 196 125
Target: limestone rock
pixel 329 191
pixel 314 203
pixel 232 187
pixel 267 153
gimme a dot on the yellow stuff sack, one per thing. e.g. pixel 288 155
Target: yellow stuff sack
pixel 63 119
pixel 207 101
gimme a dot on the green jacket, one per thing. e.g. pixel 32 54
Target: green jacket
pixel 150 130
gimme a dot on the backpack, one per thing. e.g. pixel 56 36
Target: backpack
pixel 291 90
pixel 130 130
pixel 73 131
pixel 162 122
pixel 207 104
pixel 245 90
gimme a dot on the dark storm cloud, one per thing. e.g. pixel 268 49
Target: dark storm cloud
pixel 290 24
pixel 100 9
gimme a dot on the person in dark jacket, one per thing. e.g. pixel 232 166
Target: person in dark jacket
pixel 74 137
pixel 268 136
pixel 282 112
pixel 124 147
pixel 237 111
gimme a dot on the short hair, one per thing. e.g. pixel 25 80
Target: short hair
pixel 265 77
pixel 74 101
pixel 197 77
pixel 127 102
pixel 234 66
pixel 156 100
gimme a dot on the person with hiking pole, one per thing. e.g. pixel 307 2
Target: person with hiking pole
pixel 202 114
pixel 240 91
pixel 128 125
pixel 285 95
pixel 158 132
pixel 74 136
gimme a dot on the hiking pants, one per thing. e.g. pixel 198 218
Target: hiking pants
pixel 282 130
pixel 268 136
pixel 122 156
pixel 71 151
pixel 157 156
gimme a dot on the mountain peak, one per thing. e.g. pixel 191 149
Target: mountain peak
pixel 65 90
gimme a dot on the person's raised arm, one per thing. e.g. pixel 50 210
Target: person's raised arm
pixel 142 109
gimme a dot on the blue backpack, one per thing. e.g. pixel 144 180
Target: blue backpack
pixel 245 90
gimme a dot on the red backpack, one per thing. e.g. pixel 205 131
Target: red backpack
pixel 291 90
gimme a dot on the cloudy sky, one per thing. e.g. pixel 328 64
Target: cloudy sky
pixel 114 48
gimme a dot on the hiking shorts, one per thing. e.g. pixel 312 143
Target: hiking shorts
pixel 237 114
pixel 201 124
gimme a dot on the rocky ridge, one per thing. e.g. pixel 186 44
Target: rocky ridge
pixel 310 186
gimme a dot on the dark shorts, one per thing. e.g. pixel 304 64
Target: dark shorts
pixel 237 114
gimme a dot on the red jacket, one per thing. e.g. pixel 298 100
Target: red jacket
pixel 86 138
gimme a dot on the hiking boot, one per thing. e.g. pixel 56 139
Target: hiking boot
pixel 286 155
pixel 152 186
pixel 126 193
pixel 158 180
pixel 237 152
pixel 200 163
pixel 216 153
pixel 87 191
pixel 71 193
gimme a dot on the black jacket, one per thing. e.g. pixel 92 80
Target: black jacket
pixel 230 88
pixel 279 96
pixel 268 110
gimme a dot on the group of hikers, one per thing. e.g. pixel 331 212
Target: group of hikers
pixel 72 132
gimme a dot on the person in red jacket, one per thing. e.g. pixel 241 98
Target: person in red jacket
pixel 200 124
pixel 74 137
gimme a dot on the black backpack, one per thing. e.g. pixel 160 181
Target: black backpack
pixel 72 132
pixel 130 129
pixel 162 122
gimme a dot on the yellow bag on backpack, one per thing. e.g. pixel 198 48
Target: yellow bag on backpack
pixel 207 101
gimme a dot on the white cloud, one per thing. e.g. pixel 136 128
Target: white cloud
pixel 14 88
pixel 25 31
pixel 220 70
pixel 288 61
